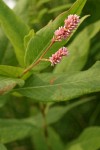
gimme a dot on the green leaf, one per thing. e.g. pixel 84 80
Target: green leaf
pixel 79 50
pixel 15 30
pixel 39 140
pixel 3 100
pixel 42 39
pixel 7 84
pixel 2 147
pixel 54 140
pixel 11 130
pixel 10 71
pixel 41 2
pixel 58 87
pixel 59 8
pixel 3 45
pixel 54 114
pixel 88 140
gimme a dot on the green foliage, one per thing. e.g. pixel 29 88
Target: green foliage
pixel 10 130
pixel 7 84
pixel 2 147
pixel 88 140
pixel 45 107
pixel 36 47
pixel 59 87
pixel 15 29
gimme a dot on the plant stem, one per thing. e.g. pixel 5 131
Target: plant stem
pixel 45 127
pixel 38 61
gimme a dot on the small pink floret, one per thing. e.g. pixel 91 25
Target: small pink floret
pixel 60 34
pixel 57 57
pixel 71 24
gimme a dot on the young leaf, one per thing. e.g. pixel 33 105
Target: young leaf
pixel 15 30
pixel 42 39
pixel 7 84
pixel 55 87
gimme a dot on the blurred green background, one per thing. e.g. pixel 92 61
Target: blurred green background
pixel 37 13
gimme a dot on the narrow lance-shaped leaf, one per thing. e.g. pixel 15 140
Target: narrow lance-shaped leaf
pixel 15 30
pixel 43 37
pixel 55 87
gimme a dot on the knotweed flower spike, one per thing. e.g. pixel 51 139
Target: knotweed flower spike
pixel 71 24
pixel 60 34
pixel 57 57
pixel 63 32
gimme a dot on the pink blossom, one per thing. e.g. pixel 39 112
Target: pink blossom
pixel 57 57
pixel 71 22
pixel 64 32
pixel 60 34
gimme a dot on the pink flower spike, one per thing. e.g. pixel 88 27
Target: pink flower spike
pixel 60 34
pixel 71 22
pixel 57 57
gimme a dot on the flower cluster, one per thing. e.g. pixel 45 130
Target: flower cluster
pixel 64 32
pixel 56 58
pixel 61 33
